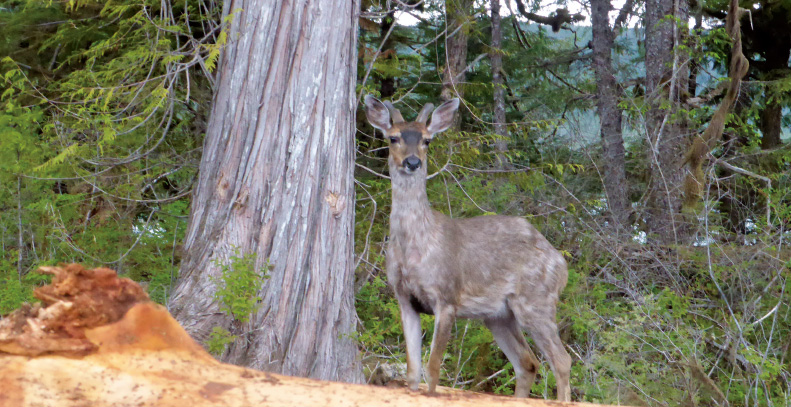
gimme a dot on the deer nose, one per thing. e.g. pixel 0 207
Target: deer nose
pixel 412 162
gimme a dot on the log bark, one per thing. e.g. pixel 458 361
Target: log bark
pixel 276 180
pixel 607 95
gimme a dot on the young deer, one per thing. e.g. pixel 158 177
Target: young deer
pixel 496 268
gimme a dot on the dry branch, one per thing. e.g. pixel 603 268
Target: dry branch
pixel 562 16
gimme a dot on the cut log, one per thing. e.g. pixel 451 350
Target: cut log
pixel 147 359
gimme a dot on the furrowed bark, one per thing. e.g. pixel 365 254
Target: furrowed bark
pixel 496 58
pixel 667 75
pixel 607 94
pixel 276 179
pixel 458 14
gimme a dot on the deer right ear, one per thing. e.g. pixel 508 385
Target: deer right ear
pixel 377 113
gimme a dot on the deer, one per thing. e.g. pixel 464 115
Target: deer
pixel 498 269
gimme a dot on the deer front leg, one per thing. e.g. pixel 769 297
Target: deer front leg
pixel 413 335
pixel 444 317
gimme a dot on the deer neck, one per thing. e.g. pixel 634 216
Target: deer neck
pixel 411 214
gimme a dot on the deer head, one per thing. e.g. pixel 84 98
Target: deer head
pixel 409 140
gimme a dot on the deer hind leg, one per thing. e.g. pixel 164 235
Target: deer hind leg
pixel 413 336
pixel 444 317
pixel 509 337
pixel 544 330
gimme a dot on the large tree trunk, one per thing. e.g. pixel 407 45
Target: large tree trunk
pixel 496 58
pixel 667 77
pixel 768 43
pixel 458 16
pixel 614 155
pixel 276 180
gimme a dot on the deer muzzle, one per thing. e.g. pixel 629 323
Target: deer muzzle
pixel 412 163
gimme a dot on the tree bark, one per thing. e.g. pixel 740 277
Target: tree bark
pixel 458 14
pixel 768 44
pixel 387 83
pixel 771 124
pixel 276 179
pixel 614 154
pixel 667 77
pixel 496 59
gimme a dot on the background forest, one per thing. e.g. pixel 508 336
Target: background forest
pixel 597 124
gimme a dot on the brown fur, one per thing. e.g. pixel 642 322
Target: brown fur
pixel 499 269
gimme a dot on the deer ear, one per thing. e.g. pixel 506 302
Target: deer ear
pixel 442 118
pixel 377 113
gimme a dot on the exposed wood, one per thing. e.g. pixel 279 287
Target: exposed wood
pixel 178 378
pixel 143 357
pixel 150 372
pixel 76 300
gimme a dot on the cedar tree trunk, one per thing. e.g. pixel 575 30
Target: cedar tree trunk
pixel 276 179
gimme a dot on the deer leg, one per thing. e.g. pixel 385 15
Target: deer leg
pixel 511 340
pixel 444 317
pixel 410 320
pixel 544 331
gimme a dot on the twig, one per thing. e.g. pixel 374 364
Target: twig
pixel 754 175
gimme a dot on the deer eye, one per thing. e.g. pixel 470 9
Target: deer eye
pixel 393 140
pixel 427 141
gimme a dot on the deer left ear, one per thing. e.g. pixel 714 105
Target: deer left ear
pixel 377 113
pixel 442 118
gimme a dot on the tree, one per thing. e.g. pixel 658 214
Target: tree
pixel 458 16
pixel 767 46
pixel 607 94
pixel 276 180
pixel 666 80
pixel 496 58
pixel 770 47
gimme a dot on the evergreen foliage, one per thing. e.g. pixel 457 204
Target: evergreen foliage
pixel 102 113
